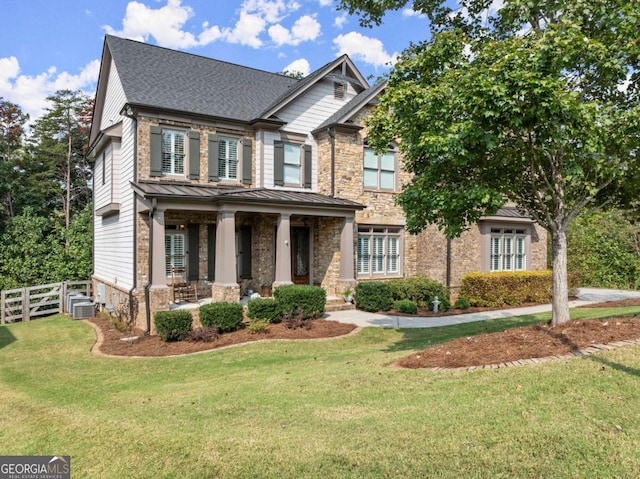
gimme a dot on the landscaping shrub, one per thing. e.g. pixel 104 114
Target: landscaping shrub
pixel 225 316
pixel 373 296
pixel 405 306
pixel 420 290
pixel 173 325
pixel 206 334
pixel 309 301
pixel 296 320
pixel 258 326
pixel 267 309
pixel 506 288
pixel 462 303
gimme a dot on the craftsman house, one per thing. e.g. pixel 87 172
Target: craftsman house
pixel 225 179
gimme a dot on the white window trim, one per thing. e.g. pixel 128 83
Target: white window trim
pixel 300 165
pixel 185 159
pixel 171 231
pixel 504 235
pixel 239 150
pixel 371 233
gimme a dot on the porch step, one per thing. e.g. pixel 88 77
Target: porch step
pixel 338 304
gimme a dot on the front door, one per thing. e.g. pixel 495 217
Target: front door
pixel 300 254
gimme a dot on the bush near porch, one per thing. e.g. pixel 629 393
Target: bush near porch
pixel 301 300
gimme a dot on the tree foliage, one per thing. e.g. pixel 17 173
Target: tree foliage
pixel 535 103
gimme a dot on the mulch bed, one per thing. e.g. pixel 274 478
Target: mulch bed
pixel 112 343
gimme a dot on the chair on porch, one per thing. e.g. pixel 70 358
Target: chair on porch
pixel 181 289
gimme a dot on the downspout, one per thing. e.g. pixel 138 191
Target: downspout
pixel 132 308
pixel 332 136
pixel 448 273
pixel 147 287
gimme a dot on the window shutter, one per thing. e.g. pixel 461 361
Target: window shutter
pixel 194 155
pixel 245 251
pixel 193 268
pixel 156 151
pixel 213 158
pixel 211 252
pixel 247 161
pixel 278 163
pixel 307 166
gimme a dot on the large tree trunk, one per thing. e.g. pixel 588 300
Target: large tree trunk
pixel 560 289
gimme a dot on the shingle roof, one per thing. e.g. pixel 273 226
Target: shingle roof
pixel 167 79
pixel 510 212
pixel 185 191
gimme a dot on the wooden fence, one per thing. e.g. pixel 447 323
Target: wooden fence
pixel 23 304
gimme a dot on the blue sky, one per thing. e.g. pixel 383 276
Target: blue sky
pixel 48 45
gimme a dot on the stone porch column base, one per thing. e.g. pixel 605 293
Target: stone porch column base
pixel 221 292
pixel 159 297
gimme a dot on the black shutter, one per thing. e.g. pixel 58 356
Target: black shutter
pixel 156 151
pixel 194 155
pixel 278 163
pixel 245 252
pixel 211 252
pixel 213 157
pixel 247 161
pixel 193 269
pixel 307 166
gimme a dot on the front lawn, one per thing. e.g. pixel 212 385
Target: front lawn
pixel 329 409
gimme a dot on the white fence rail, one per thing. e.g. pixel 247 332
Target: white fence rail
pixel 24 304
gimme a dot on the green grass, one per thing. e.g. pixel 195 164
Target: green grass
pixel 330 409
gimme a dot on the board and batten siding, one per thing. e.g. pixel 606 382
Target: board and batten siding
pixel 114 239
pixel 304 115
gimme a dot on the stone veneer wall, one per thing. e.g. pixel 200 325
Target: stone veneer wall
pixel 326 253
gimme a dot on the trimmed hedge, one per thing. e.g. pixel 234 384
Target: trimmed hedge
pixel 267 309
pixel 420 290
pixel 306 299
pixel 173 325
pixel 373 296
pixel 405 306
pixel 225 316
pixel 462 303
pixel 507 288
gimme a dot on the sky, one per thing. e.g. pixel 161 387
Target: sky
pixel 48 45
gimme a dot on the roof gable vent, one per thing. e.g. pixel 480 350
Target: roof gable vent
pixel 338 90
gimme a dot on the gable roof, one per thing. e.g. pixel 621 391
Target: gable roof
pixel 167 79
pixel 344 114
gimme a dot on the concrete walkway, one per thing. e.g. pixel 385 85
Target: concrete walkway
pixel 362 318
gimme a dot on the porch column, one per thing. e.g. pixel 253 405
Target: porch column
pixel 283 251
pixel 226 249
pixel 347 274
pixel 158 274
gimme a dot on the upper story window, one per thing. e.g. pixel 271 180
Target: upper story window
pixel 379 171
pixel 173 152
pixel 292 164
pixel 228 159
pixel 508 249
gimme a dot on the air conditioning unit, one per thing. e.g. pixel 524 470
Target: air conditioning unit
pixel 83 310
pixel 75 298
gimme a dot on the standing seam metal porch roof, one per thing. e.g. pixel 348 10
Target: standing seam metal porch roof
pixel 217 194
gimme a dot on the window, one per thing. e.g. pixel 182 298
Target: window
pixel 508 249
pixel 379 170
pixel 227 159
pixel 292 164
pixel 104 167
pixel 173 152
pixel 379 251
pixel 174 248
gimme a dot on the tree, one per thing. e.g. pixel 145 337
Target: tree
pixel 12 121
pixel 59 141
pixel 536 103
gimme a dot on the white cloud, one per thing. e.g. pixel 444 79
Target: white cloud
pixel 305 28
pixel 367 49
pixel 325 3
pixel 410 12
pixel 165 24
pixel 31 91
pixel 301 65
pixel 246 31
pixel 340 20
